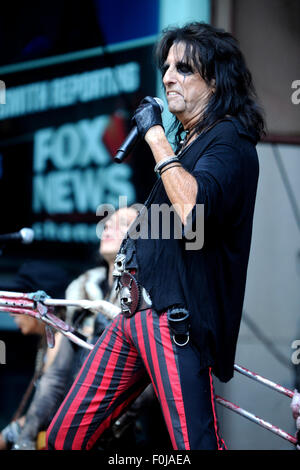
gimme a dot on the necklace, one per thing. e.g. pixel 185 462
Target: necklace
pixel 188 135
pixel 183 141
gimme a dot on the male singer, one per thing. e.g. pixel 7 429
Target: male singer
pixel 181 303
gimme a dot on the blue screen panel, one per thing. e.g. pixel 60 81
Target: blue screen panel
pixel 122 20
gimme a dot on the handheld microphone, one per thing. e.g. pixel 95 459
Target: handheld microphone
pixel 132 139
pixel 25 235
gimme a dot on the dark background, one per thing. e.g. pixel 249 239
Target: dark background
pixel 35 30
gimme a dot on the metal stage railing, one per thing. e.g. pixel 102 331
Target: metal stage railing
pixel 41 307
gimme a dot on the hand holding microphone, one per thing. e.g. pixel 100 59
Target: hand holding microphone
pixel 147 115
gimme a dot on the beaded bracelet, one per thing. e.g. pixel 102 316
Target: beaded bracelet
pixel 166 169
pixel 160 165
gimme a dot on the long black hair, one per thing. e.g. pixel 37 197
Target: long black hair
pixel 216 56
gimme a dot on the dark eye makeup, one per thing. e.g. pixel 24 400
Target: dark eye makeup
pixel 182 67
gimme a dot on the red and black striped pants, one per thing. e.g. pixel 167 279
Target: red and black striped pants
pixel 117 370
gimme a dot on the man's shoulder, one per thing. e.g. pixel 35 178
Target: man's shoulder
pixel 227 142
pixel 230 130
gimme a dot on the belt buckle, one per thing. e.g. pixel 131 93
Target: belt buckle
pixel 129 294
pixel 133 297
